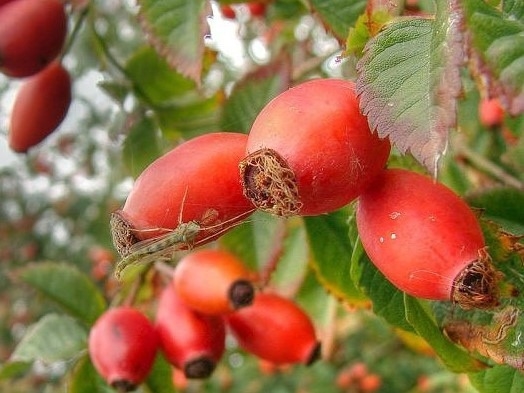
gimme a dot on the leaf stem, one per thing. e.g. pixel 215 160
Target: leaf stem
pixel 100 41
pixel 487 166
pixel 74 33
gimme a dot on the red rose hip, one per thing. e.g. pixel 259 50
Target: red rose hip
pixel 213 282
pixel 32 33
pixel 310 150
pixel 40 106
pixel 122 345
pixel 190 341
pixel 491 113
pixel 426 240
pixel 275 329
pixel 196 182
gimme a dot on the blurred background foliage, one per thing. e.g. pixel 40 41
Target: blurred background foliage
pixel 129 107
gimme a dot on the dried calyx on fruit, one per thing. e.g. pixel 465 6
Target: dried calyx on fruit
pixel 476 285
pixel 269 183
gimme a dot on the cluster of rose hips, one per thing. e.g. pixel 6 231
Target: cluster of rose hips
pixel 211 292
pixel 310 151
pixel 32 35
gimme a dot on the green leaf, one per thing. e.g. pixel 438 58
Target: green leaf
pixel 292 266
pixel 10 370
pixel 178 105
pixel 159 379
pixel 339 15
pixel 53 338
pixel 499 379
pixel 155 80
pixel 513 9
pixel 455 359
pixel 498 50
pixel 388 301
pixel 332 263
pixel 409 81
pixel 253 92
pixel 68 287
pixel 85 379
pixel 142 146
pixel 502 205
pixel 196 116
pixel 176 29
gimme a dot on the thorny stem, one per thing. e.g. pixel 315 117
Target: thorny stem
pixel 488 166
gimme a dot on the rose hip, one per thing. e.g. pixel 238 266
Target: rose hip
pixel 32 33
pixel 123 344
pixel 426 240
pixel 310 150
pixel 275 329
pixel 213 282
pixel 197 181
pixel 192 342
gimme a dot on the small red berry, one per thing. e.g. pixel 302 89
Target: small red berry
pixel 491 113
pixel 40 106
pixel 425 239
pixel 310 150
pixel 122 345
pixel 257 9
pixel 190 341
pixel 32 33
pixel 228 12
pixel 370 383
pixel 196 181
pixel 275 329
pixel 213 282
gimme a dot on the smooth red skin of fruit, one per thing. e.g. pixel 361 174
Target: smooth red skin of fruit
pixel 40 106
pixel 32 33
pixel 190 183
pixel 202 279
pixel 123 344
pixel 491 112
pixel 186 335
pixel 275 329
pixel 318 129
pixel 418 233
pixel 2 2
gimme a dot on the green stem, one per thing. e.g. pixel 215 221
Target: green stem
pixel 74 33
pixel 109 56
pixel 487 166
